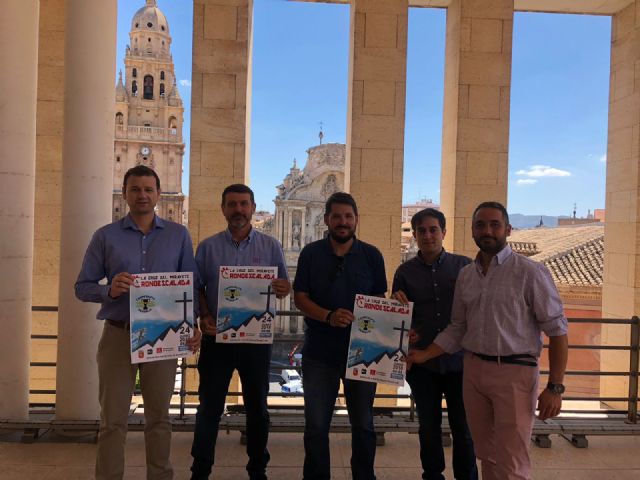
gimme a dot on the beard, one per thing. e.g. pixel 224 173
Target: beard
pixel 341 239
pixel 490 245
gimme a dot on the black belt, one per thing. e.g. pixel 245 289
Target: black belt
pixel 115 323
pixel 517 359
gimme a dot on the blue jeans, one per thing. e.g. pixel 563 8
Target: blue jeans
pixel 215 366
pixel 321 382
pixel 427 388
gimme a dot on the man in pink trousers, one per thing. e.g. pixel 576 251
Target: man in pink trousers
pixel 503 302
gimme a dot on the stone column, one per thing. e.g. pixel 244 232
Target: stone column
pixel 375 122
pixel 219 108
pixel 375 126
pixel 87 176
pixel 220 116
pixel 288 231
pixel 19 60
pixel 621 289
pixel 303 227
pixel 48 199
pixel 475 135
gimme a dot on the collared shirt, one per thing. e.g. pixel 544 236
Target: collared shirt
pixel 332 282
pixel 122 247
pixel 430 287
pixel 504 311
pixel 221 249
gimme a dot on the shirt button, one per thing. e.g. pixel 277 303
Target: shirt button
pixel 435 284
pixel 143 271
pixel 144 252
pixel 437 299
pixel 437 314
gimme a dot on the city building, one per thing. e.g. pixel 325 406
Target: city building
pixel 149 114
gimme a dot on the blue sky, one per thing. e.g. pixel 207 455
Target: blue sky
pixel 559 98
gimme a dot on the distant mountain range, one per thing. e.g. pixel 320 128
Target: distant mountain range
pixel 520 221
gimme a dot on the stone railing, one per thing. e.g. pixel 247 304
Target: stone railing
pixel 148 133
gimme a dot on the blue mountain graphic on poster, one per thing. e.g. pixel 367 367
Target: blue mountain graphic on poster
pixel 246 304
pixel 161 315
pixel 379 340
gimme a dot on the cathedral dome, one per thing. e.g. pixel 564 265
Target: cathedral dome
pixel 150 19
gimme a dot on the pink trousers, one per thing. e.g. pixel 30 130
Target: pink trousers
pixel 500 401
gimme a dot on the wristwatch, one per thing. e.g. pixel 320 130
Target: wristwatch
pixel 556 388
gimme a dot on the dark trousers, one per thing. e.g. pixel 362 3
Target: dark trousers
pixel 427 388
pixel 321 383
pixel 215 366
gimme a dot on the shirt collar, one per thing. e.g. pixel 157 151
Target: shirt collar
pixel 127 222
pixel 354 246
pixel 503 254
pixel 499 258
pixel 249 239
pixel 438 261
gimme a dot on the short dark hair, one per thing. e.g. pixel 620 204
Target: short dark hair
pixel 140 171
pixel 341 198
pixel 238 188
pixel 494 205
pixel 429 212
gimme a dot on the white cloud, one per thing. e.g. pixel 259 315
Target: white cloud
pixel 526 181
pixel 603 158
pixel 537 171
pixel 184 83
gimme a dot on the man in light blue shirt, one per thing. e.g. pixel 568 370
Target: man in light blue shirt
pixel 238 245
pixel 141 242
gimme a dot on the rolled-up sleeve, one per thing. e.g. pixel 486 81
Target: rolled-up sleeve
pixel 547 305
pixel 87 287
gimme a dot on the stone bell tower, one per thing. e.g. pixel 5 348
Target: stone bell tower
pixel 149 113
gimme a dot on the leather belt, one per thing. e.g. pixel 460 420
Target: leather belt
pixel 517 359
pixel 121 325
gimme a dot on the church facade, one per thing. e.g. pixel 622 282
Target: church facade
pixel 149 114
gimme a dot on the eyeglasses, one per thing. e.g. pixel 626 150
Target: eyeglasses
pixel 339 268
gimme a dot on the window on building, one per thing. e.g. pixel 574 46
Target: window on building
pixel 134 88
pixel 117 209
pixel 148 87
pixel 162 75
pixel 118 159
pixel 119 118
pixel 162 89
pixel 149 24
pixel 134 72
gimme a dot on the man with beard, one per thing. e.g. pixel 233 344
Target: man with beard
pixel 502 303
pixel 330 274
pixel 239 245
pixel 428 280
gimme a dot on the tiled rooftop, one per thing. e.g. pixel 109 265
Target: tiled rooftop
pixel 573 254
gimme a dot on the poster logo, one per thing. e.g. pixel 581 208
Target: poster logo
pixel 140 354
pixel 145 303
pixel 366 324
pixel 159 350
pixel 232 293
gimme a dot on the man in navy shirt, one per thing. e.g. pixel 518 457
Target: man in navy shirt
pixel 239 245
pixel 330 273
pixel 428 280
pixel 141 242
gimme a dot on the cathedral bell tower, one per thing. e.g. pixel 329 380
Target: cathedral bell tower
pixel 149 113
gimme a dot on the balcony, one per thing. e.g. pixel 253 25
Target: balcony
pixel 56 457
pixel 155 134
